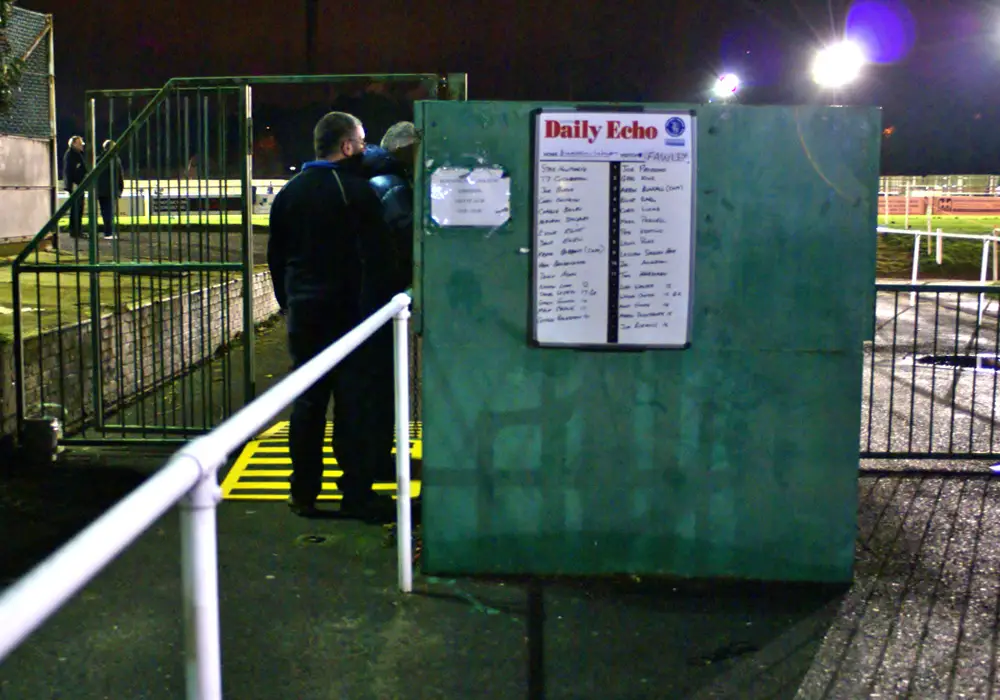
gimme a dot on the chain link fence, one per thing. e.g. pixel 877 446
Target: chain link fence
pixel 29 117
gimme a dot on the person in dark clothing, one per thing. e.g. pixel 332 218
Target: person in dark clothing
pixel 74 170
pixel 110 186
pixel 389 169
pixel 328 257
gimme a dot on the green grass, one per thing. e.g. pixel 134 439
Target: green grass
pixel 51 299
pixel 948 224
pixel 960 258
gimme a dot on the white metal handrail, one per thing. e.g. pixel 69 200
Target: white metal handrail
pixel 191 476
pixel 941 235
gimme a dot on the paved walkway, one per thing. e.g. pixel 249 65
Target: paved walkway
pixel 310 610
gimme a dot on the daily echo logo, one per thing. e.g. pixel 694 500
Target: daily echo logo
pixel 675 129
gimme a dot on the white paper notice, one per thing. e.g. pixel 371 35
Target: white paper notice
pixel 470 197
pixel 614 207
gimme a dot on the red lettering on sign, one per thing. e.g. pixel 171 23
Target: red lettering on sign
pixel 633 131
pixel 575 129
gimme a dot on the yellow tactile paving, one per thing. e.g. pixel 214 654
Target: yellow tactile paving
pixel 256 475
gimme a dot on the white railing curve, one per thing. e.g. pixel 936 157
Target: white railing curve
pixel 940 235
pixel 191 478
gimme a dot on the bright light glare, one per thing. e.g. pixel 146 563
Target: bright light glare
pixel 838 65
pixel 727 85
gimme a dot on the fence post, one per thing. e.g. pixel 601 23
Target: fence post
pixel 404 535
pixel 246 230
pixel 906 215
pixel 916 265
pixel 940 248
pixel 53 130
pixel 200 572
pixel 996 249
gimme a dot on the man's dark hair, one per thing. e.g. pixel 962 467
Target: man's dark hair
pixel 331 131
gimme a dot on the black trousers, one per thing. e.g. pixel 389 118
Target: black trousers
pixel 76 217
pixel 107 205
pixel 363 411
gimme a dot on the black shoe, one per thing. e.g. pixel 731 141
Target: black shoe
pixel 372 510
pixel 303 510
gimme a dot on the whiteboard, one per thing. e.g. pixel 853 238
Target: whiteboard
pixel 613 228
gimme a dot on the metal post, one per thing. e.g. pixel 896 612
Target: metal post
pixel 19 392
pixel 982 275
pixel 996 263
pixel 97 387
pixel 53 136
pixel 199 569
pixel 940 248
pixel 916 265
pixel 404 535
pixel 457 86
pixel 246 165
pixel 906 216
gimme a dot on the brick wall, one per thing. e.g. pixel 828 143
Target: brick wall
pixel 141 348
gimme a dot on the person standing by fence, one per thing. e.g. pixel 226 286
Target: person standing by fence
pixel 74 170
pixel 110 186
pixel 328 253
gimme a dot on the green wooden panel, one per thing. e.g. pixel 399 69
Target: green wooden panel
pixel 737 457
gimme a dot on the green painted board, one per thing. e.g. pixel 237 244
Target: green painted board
pixel 736 457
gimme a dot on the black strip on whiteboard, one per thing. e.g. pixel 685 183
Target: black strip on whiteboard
pixel 614 220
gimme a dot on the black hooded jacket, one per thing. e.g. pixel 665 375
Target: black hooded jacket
pixel 114 175
pixel 327 247
pixel 391 182
pixel 74 168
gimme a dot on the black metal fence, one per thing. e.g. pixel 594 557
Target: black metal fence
pixel 932 372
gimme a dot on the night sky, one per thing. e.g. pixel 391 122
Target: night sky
pixel 937 79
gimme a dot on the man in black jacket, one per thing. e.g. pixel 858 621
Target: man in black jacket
pixel 328 258
pixel 110 186
pixel 389 169
pixel 74 170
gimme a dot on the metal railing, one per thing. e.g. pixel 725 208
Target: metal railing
pixel 988 243
pixel 191 477
pixel 132 314
pixel 932 373
pixel 149 336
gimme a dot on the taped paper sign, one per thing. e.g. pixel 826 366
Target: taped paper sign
pixel 470 197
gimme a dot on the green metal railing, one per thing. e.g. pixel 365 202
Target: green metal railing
pixel 932 373
pixel 141 330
